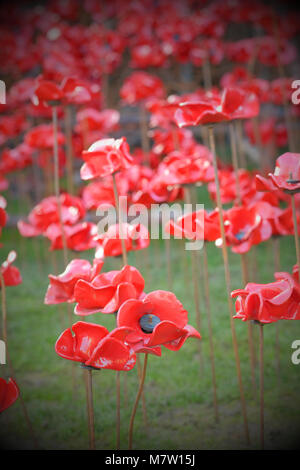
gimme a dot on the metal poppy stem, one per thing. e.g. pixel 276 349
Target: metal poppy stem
pixel 296 231
pixel 138 396
pixel 144 133
pixel 245 274
pixel 276 252
pixel 211 341
pixel 90 406
pixel 118 410
pixel 10 366
pixel 261 383
pixel 169 265
pixel 56 184
pixel 228 282
pixel 188 200
pixel 234 156
pixel 69 148
pixel 139 368
pixel 116 195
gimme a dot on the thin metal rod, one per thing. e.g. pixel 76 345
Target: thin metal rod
pixel 210 331
pixel 139 393
pixel 296 234
pixel 261 383
pixel 90 407
pixel 228 284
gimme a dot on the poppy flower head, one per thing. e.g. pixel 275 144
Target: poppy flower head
pixel 287 173
pixel 108 291
pixel 61 287
pixel 93 345
pixel 140 86
pixel 11 274
pixel 105 157
pixel 158 319
pixel 9 393
pixel 267 303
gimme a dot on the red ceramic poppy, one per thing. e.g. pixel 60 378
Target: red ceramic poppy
pixel 281 90
pixel 79 237
pixel 270 131
pixel 105 157
pixel 9 393
pixel 12 126
pixel 46 213
pixel 61 287
pixel 17 158
pixel 287 173
pixel 240 77
pixel 199 225
pixel 11 274
pixel 140 86
pixel 136 237
pixel 47 91
pixel 42 137
pixel 178 168
pixel 93 345
pixel 89 119
pixel 147 54
pixel 245 227
pixel 210 111
pixel 3 214
pixel 168 140
pixel 157 320
pixel 3 183
pixel 163 110
pixel 269 303
pixel 75 91
pixel 273 51
pixel 108 291
pixel 241 51
pixel 228 186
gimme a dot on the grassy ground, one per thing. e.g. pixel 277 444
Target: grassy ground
pixel 178 395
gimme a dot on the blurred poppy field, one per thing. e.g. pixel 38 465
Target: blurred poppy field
pixel 115 339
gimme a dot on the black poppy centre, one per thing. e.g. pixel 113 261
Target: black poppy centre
pixel 148 322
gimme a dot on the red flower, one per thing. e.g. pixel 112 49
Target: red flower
pixel 140 86
pixel 267 303
pixel 157 320
pixel 11 274
pixel 101 192
pixel 179 168
pixel 46 213
pixel 16 158
pixel 210 111
pixel 269 130
pixel 245 227
pixel 105 157
pixel 136 237
pixel 287 173
pixel 61 287
pixel 94 346
pixel 75 91
pixel 79 237
pixel 9 393
pixel 108 291
pixel 228 187
pixel 200 225
pixel 42 137
pixel 89 119
pixel 48 92
pixel 3 214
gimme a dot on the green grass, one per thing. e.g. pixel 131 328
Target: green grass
pixel 178 395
